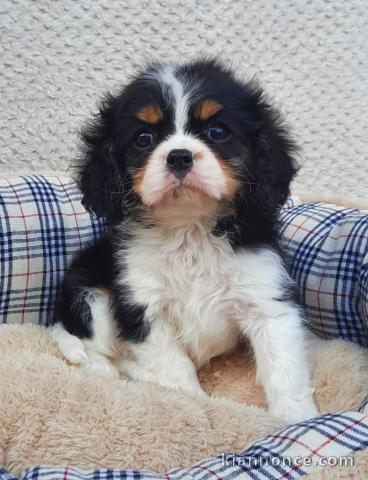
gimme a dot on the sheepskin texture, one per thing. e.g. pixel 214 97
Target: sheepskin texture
pixel 54 414
pixel 59 57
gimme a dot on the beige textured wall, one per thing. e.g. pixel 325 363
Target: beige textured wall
pixel 59 56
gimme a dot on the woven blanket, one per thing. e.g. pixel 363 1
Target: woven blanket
pixel 43 224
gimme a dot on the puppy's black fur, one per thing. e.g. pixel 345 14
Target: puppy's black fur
pixel 110 157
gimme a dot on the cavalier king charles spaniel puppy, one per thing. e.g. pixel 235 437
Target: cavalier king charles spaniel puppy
pixel 189 167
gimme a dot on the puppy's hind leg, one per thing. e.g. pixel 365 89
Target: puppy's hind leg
pixel 160 359
pixel 70 346
pixel 92 352
pixel 101 345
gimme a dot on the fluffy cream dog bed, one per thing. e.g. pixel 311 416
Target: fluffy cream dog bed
pixel 55 414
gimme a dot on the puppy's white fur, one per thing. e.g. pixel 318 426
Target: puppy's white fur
pixel 200 297
pixel 206 175
pixel 177 92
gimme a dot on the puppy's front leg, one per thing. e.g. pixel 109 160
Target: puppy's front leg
pixel 277 339
pixel 160 359
pixel 274 325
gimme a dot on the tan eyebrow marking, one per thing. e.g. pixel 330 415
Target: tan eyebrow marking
pixel 207 108
pixel 150 114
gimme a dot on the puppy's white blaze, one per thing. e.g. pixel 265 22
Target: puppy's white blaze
pixel 176 92
pixel 206 175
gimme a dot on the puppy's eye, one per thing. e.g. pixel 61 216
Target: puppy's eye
pixel 218 131
pixel 144 139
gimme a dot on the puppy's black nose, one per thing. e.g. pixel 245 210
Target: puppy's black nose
pixel 179 162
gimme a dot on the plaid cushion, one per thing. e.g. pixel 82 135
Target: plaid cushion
pixel 326 248
pixel 289 453
pixel 43 224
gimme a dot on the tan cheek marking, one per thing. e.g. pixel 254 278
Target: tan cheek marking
pixel 150 114
pixel 207 108
pixel 104 291
pixel 232 184
pixel 199 155
pixel 138 179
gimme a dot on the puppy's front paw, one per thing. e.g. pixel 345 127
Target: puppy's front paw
pixel 101 366
pixel 294 411
pixel 76 356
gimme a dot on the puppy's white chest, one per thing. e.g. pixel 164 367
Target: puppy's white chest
pixel 186 279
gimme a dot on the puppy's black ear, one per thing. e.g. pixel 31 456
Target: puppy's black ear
pixel 273 163
pixel 98 174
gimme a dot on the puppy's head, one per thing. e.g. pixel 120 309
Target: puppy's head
pixel 183 142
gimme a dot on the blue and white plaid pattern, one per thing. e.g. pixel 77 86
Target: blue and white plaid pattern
pixel 326 248
pixel 363 407
pixel 42 225
pixel 289 453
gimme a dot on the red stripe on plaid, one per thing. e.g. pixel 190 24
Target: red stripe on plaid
pixel 331 294
pixel 297 228
pixel 295 440
pixel 43 272
pixel 209 471
pixel 342 236
pixel 360 237
pixel 26 274
pixel 30 215
pixel 348 427
pixel 328 441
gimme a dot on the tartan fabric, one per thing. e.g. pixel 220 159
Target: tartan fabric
pixel 326 249
pixel 363 407
pixel 289 453
pixel 42 225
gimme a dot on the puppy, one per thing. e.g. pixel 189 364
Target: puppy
pixel 189 167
